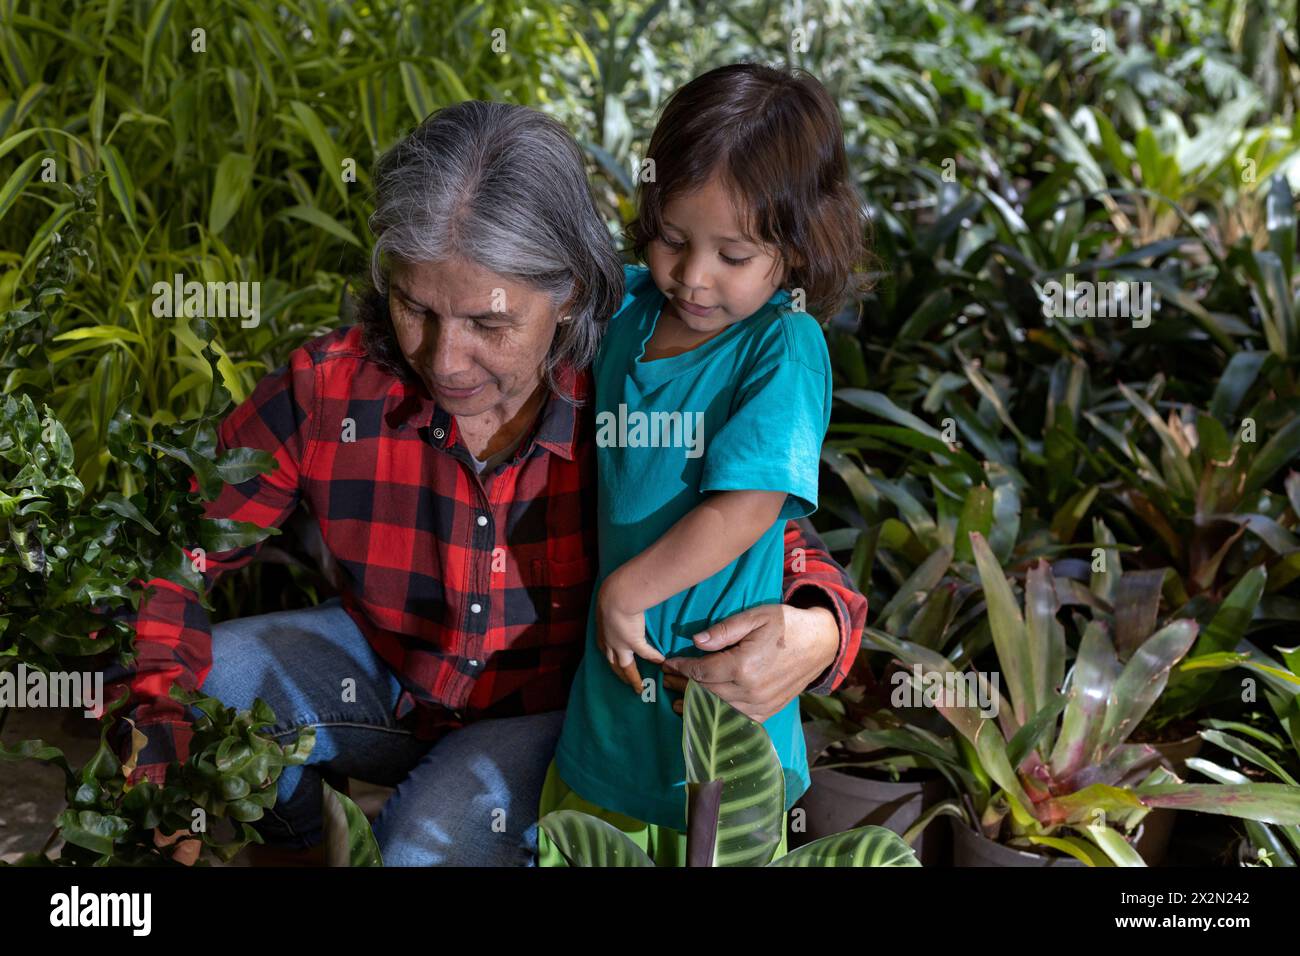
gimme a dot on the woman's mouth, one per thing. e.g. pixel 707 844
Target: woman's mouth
pixel 457 393
pixel 697 310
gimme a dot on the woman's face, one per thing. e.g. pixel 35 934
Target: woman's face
pixel 704 260
pixel 478 339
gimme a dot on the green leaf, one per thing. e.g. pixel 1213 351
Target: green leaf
pixel 1015 659
pixel 1142 681
pixel 219 535
pixel 864 846
pixel 418 95
pixel 721 743
pixel 1282 449
pixel 926 576
pixel 584 840
pixel 120 184
pixel 234 174
pixel 349 841
pixel 152 35
pixel 1116 848
pixel 321 220
pixel 326 151
pixel 976 515
pixel 1248 752
pixel 13 186
pixel 1092 680
pixel 457 93
pixel 1281 222
pixel 1237 378
pixel 1222 635
pixel 1265 802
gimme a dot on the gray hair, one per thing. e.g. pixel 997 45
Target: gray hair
pixel 505 187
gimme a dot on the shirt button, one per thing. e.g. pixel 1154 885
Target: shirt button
pixel 482 520
pixel 473 662
pixel 475 608
pixel 439 433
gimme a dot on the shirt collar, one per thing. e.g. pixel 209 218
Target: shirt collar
pixel 409 404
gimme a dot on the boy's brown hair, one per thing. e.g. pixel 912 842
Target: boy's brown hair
pixel 774 135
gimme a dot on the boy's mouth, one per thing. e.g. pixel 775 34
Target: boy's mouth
pixel 694 309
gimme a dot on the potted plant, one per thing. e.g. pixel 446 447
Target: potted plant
pixel 1271 753
pixel 735 797
pixel 1072 785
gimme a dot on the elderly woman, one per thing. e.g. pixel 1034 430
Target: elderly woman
pixel 444 445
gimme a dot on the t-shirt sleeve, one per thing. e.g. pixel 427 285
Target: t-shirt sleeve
pixel 632 276
pixel 772 439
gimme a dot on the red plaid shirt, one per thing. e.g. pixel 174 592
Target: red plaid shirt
pixel 476 599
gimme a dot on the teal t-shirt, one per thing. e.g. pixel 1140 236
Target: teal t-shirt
pixel 747 410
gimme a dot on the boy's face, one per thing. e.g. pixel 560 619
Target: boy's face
pixel 703 259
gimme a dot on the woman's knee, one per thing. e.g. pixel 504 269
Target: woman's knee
pixel 262 656
pixel 472 800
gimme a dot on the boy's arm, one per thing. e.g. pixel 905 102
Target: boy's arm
pixel 703 542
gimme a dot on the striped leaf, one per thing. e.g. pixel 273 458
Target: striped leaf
pixel 865 846
pixel 721 743
pixel 584 840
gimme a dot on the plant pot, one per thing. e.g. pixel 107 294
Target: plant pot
pixel 1158 825
pixel 839 801
pixel 974 849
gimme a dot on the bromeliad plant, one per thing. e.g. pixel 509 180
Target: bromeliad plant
pixel 1055 766
pixel 1270 753
pixel 735 797
pixel 1206 508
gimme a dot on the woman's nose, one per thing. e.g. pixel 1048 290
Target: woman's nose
pixel 449 350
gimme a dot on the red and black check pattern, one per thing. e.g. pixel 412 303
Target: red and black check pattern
pixel 477 600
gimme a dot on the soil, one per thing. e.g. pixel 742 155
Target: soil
pixel 1168 734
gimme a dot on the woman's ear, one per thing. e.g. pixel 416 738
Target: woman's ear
pixel 566 310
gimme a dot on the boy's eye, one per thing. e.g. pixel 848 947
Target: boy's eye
pixel 670 243
pixel 735 262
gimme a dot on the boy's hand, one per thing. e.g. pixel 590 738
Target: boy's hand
pixel 620 632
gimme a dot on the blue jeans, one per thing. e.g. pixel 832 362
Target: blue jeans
pixel 467 799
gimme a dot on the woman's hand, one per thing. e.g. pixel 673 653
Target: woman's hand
pixel 620 632
pixel 766 656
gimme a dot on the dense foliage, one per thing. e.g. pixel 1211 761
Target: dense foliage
pixel 1018 158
